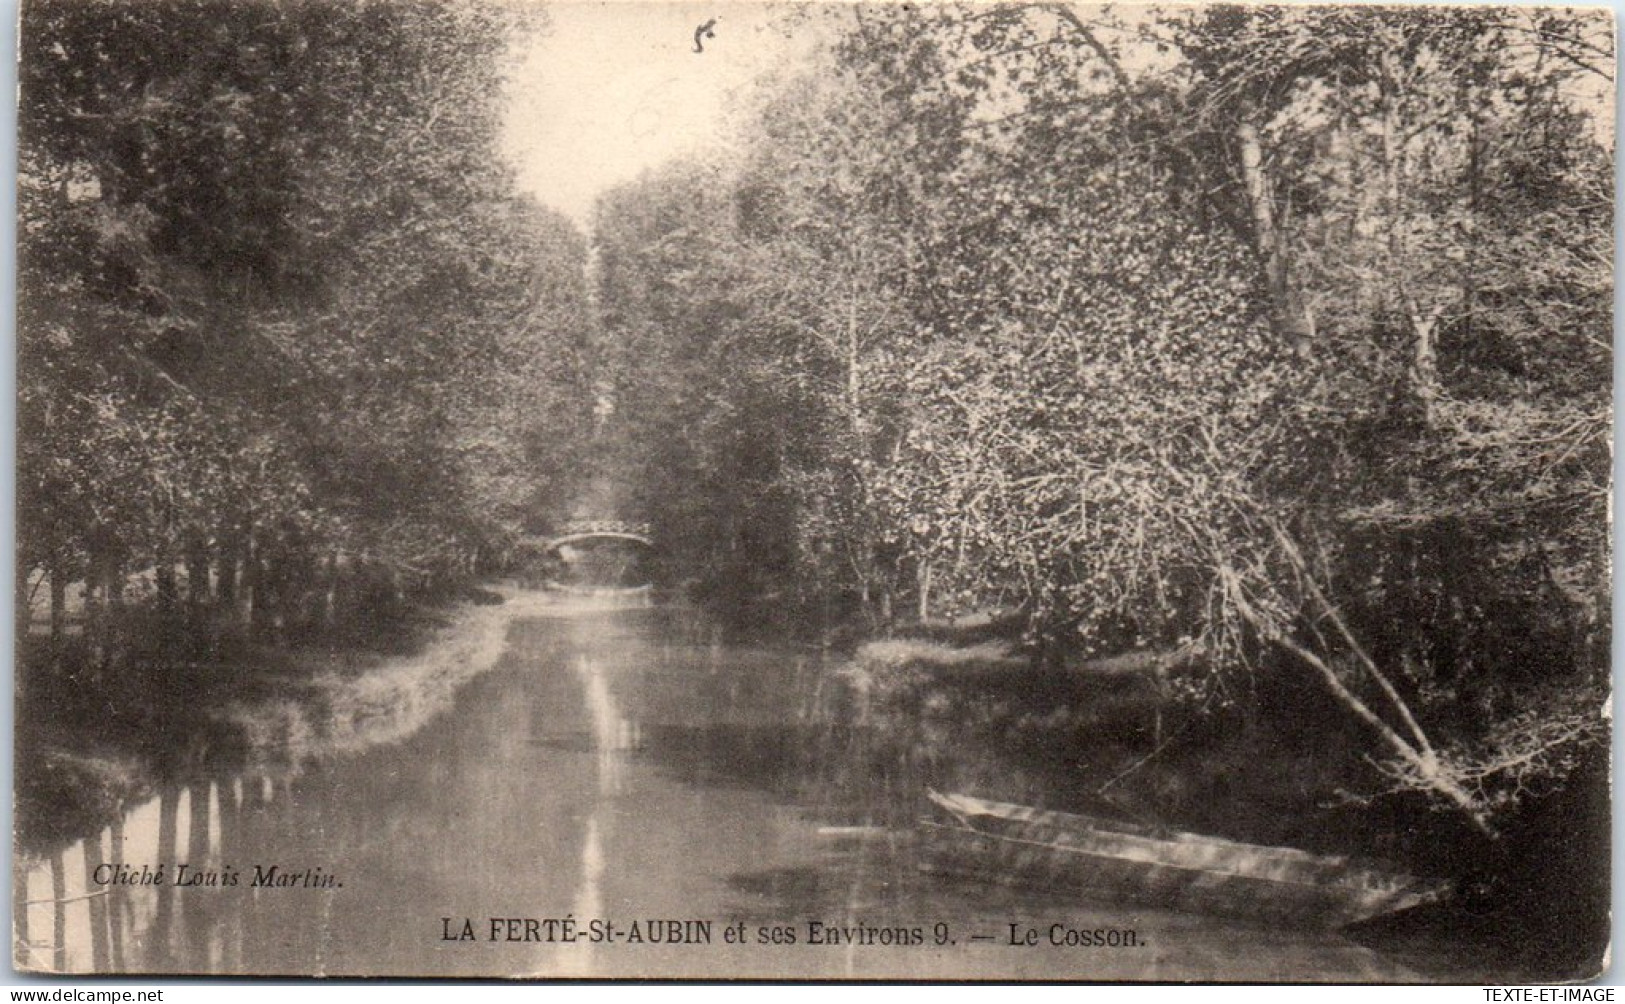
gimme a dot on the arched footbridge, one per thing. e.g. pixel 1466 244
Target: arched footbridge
pixel 582 531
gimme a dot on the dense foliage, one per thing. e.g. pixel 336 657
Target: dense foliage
pixel 1270 339
pixel 290 346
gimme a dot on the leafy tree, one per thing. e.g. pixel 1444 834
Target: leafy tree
pixel 1465 475
pixel 1243 334
pixel 278 299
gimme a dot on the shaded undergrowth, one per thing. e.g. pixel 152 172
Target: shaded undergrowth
pixel 98 732
pixel 1283 768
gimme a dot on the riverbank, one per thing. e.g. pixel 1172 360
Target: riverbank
pixel 909 715
pixel 1119 740
pixel 90 745
pixel 1122 739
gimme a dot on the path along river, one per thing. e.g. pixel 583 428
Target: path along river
pixel 615 767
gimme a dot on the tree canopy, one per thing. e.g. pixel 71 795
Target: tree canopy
pixel 1271 339
pixel 279 302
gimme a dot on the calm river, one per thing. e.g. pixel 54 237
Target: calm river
pixel 617 767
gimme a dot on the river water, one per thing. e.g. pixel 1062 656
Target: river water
pixel 617 767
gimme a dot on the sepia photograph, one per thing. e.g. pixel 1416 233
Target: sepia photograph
pixel 813 492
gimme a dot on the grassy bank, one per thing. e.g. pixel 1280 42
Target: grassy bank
pixel 1109 741
pixel 93 738
pixel 1283 768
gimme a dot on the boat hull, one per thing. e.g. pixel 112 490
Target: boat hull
pixel 1120 863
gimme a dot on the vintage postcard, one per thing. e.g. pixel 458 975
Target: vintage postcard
pixel 904 491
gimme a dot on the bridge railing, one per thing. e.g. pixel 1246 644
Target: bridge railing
pixel 584 530
pixel 578 528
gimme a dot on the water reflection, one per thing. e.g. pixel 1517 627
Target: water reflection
pixel 612 736
pixel 617 765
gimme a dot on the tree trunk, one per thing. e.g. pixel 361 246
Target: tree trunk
pixel 1413 751
pixel 1288 317
pixel 198 587
pixel 330 592
pixel 104 598
pixel 228 579
pixel 59 912
pixel 852 345
pixel 97 904
pixel 114 586
pixel 249 588
pixel 1109 61
pixel 168 588
pixel 164 916
pixel 270 599
pixel 23 609
pixel 1425 363
pixel 59 601
pixel 1424 359
pixel 197 830
pixel 118 897
pixel 95 609
pixel 19 912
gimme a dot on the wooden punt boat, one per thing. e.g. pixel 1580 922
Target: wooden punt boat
pixel 1124 862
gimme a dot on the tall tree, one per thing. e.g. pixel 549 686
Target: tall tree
pixel 272 271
